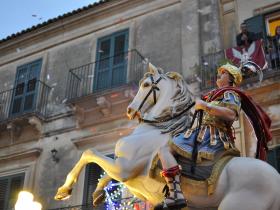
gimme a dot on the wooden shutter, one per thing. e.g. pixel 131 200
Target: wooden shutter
pixel 111 57
pixel 3 193
pixel 93 172
pixel 16 186
pixel 25 92
pixel 9 189
pixel 256 24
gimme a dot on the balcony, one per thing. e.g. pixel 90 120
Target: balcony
pixel 210 63
pixel 99 92
pixel 25 100
pixel 112 72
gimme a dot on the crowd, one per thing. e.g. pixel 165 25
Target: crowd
pixel 271 44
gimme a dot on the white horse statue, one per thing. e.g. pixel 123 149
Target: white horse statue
pixel 163 103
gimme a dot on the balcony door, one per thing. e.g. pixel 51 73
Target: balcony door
pixel 25 92
pixel 111 65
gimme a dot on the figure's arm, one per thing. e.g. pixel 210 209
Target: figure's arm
pixel 222 112
pixel 229 111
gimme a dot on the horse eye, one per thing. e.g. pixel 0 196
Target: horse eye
pixel 146 84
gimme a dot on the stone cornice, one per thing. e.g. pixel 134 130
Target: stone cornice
pixel 31 153
pixel 68 20
pixel 80 20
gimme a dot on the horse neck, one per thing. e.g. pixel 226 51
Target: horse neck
pixel 144 128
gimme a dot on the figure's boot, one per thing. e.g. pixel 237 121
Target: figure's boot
pixel 174 198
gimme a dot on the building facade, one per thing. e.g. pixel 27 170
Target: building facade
pixel 66 83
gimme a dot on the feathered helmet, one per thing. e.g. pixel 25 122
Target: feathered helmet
pixel 234 71
pixel 246 69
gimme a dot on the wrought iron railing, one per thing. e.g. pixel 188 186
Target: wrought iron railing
pixel 210 63
pixel 208 69
pixel 110 72
pixel 25 99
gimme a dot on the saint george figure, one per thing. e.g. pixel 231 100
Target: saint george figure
pixel 215 137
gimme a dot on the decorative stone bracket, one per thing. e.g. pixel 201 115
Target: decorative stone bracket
pixel 104 105
pixel 80 114
pixel 36 122
pixel 14 129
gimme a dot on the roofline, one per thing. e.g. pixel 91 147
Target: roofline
pixel 53 20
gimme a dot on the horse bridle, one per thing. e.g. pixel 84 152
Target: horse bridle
pixel 153 90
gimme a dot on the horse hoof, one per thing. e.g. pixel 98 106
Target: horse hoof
pixel 63 193
pixel 98 197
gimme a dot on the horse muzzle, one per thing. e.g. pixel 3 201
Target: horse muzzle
pixel 131 113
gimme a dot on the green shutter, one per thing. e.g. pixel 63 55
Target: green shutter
pixel 111 61
pixel 25 92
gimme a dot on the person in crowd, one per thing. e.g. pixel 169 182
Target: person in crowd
pixel 245 38
pixel 274 48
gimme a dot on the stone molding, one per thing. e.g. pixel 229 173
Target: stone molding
pixel 102 141
pixel 31 153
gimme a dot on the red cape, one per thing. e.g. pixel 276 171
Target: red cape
pixel 258 118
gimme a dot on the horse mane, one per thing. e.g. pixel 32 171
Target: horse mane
pixel 181 100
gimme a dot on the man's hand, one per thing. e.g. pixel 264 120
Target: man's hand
pixel 244 37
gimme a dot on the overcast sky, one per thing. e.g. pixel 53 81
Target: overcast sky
pixel 16 15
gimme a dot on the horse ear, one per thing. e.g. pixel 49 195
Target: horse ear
pixel 152 69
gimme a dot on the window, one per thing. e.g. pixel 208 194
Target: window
pixel 24 93
pixel 9 189
pixel 271 22
pixel 111 57
pixel 264 24
pixel 93 173
pixel 256 24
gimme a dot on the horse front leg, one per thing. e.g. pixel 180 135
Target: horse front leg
pixel 120 169
pixel 99 194
pixel 64 192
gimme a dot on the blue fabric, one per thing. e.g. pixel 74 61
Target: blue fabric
pixel 186 144
pixel 230 100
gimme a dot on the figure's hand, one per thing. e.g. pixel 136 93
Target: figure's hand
pixel 200 105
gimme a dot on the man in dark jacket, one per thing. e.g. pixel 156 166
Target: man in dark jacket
pixel 245 38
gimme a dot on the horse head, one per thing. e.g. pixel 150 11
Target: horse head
pixel 161 97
